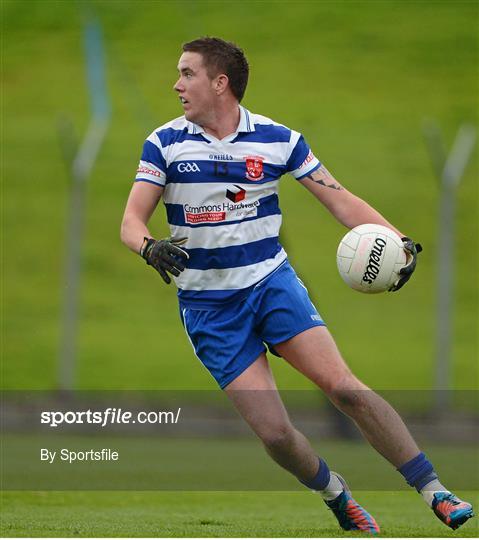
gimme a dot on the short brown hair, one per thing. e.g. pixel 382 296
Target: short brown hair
pixel 221 56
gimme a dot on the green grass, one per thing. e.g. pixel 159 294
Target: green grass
pixel 211 514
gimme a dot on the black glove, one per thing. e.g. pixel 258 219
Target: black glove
pixel 405 273
pixel 165 256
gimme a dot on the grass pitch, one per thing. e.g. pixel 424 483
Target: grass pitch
pixel 211 514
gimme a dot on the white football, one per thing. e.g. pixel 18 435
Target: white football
pixel 369 258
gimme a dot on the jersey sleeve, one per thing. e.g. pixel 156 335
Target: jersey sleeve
pixel 152 166
pixel 301 161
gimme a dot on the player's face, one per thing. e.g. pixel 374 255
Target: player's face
pixel 195 89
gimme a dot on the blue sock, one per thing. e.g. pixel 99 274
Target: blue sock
pixel 418 471
pixel 321 480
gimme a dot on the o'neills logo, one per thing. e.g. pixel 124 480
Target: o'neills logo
pixel 374 262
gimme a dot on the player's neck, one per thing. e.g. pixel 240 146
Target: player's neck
pixel 224 121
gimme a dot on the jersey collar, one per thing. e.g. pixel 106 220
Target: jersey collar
pixel 245 124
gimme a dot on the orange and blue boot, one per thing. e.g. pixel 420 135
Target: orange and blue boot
pixel 450 509
pixel 350 515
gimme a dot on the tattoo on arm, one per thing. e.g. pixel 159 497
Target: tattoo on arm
pixel 323 177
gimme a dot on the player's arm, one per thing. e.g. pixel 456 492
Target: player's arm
pixel 346 207
pixel 164 255
pixel 144 198
pixel 352 211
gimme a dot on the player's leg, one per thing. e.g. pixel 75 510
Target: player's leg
pixel 255 396
pixel 228 346
pixel 315 354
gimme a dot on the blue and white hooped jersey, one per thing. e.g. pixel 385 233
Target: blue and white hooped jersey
pixel 222 195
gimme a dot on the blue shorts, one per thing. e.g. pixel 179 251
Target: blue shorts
pixel 229 339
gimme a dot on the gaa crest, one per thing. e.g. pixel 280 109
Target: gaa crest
pixel 254 168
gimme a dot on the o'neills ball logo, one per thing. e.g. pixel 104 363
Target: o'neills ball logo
pixel 374 262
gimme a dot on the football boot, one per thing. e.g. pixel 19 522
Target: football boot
pixel 351 515
pixel 450 509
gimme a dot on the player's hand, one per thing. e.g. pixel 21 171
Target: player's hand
pixel 165 256
pixel 405 273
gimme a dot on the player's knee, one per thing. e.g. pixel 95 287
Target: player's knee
pixel 347 400
pixel 350 396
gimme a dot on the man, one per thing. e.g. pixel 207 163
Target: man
pixel 217 169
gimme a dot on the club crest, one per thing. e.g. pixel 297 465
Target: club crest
pixel 254 167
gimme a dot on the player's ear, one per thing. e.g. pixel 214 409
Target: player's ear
pixel 220 83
